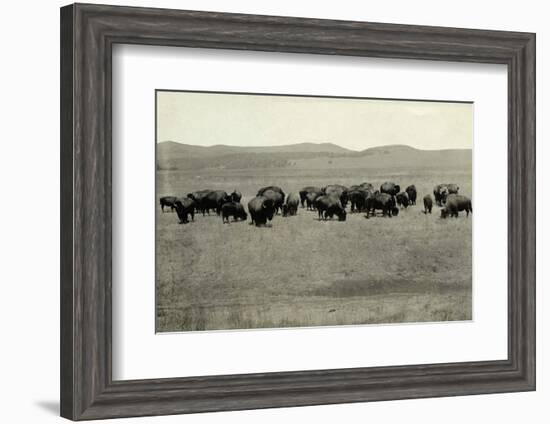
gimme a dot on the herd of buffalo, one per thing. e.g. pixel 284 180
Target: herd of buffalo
pixel 328 201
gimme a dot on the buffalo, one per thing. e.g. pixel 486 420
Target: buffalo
pixel 198 197
pixel 402 199
pixel 214 200
pixel 184 208
pixel 384 202
pixel 291 205
pixel 338 190
pixel 456 203
pixel 304 192
pixel 273 188
pixel 310 199
pixel 277 197
pixel 358 199
pixel 236 196
pixel 168 201
pixel 390 188
pixel 261 210
pixel 452 188
pixel 234 209
pixel 367 186
pixel 428 203
pixel 411 192
pixel 329 205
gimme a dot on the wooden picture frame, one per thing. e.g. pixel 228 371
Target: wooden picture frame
pixel 88 33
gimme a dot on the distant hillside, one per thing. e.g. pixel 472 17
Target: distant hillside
pixel 172 155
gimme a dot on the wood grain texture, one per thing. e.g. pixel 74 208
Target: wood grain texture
pixel 88 33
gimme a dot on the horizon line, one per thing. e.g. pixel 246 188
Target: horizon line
pixel 314 143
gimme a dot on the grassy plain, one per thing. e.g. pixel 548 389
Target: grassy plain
pixel 302 272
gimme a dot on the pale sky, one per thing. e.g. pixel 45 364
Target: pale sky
pixel 208 119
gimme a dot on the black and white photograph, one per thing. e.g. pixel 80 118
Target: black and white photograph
pixel 277 211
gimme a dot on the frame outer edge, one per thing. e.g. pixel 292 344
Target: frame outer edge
pixel 86 181
pixel 67 322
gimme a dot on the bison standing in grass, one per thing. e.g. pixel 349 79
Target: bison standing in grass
pixel 411 192
pixel 428 204
pixel 455 204
pixel 234 209
pixel 198 197
pixel 261 210
pixel 338 190
pixel 291 205
pixel 402 199
pixel 168 201
pixel 310 199
pixel 384 202
pixel 390 188
pixel 184 208
pixel 329 205
pixel 305 191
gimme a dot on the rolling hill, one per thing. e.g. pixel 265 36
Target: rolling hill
pixel 172 155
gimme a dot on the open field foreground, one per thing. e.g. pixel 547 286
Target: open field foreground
pixel 302 272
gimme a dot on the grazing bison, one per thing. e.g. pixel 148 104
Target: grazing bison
pixel 456 203
pixel 198 197
pixel 329 205
pixel 402 199
pixel 291 205
pixel 261 210
pixel 310 199
pixel 304 192
pixel 236 196
pixel 368 187
pixel 428 204
pixel 168 201
pixel 234 209
pixel 274 188
pixel 411 192
pixel 338 190
pixel 384 202
pixel 214 200
pixel 277 197
pixel 441 191
pixel 390 188
pixel 452 188
pixel 185 207
pixel 358 199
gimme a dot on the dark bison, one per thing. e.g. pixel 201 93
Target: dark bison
pixel 440 194
pixel 456 203
pixel 411 192
pixel 261 210
pixel 304 191
pixel 274 188
pixel 428 203
pixel 329 205
pixel 338 190
pixel 168 201
pixel 390 188
pixel 234 209
pixel 277 197
pixel 184 208
pixel 452 188
pixel 291 205
pixel 214 200
pixel 367 186
pixel 402 199
pixel 441 191
pixel 236 196
pixel 384 202
pixel 310 199
pixel 198 197
pixel 358 199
